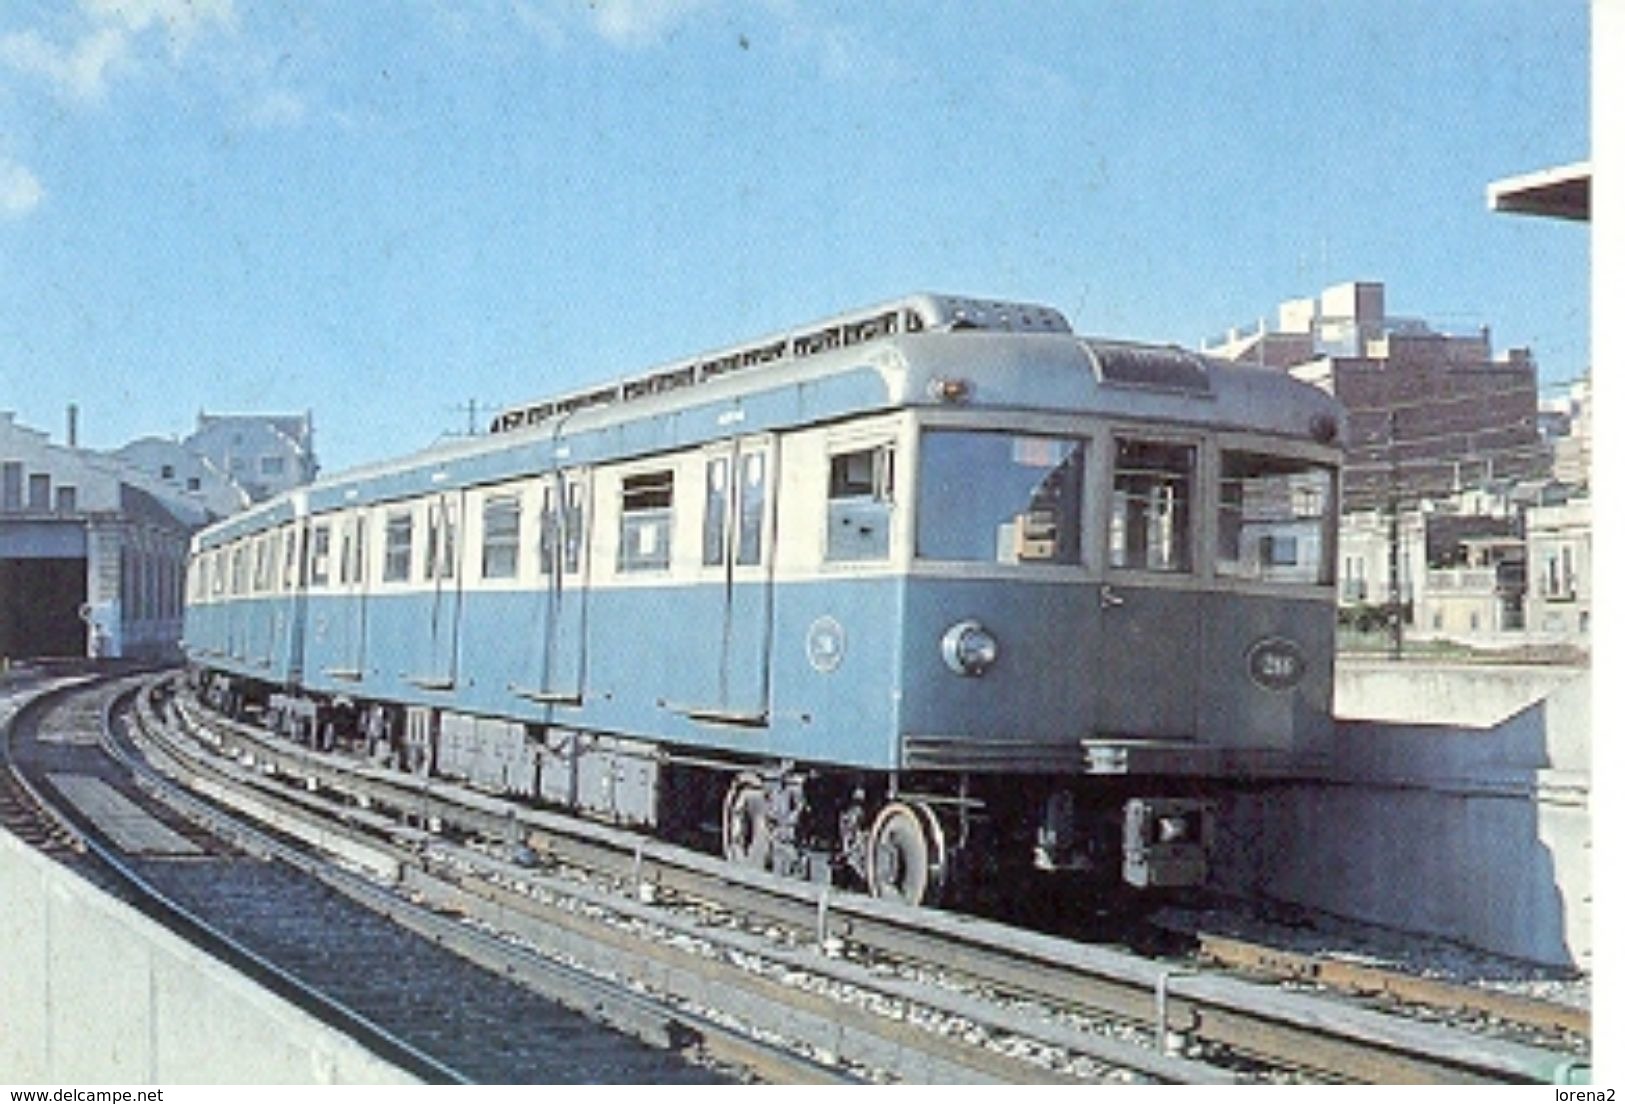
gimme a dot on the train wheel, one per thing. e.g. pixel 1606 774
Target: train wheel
pixel 907 860
pixel 746 840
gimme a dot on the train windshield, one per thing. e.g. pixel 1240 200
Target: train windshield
pixel 1276 518
pixel 1000 497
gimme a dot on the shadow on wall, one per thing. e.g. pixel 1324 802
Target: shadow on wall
pixel 1479 835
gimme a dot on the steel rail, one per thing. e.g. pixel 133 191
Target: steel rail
pixel 159 906
pixel 848 1033
pixel 1295 1030
pixel 647 1019
pixel 1367 980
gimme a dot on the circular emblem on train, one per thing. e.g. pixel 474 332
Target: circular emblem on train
pixel 1276 663
pixel 826 644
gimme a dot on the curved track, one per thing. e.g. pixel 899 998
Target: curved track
pixel 1036 1007
pixel 424 1009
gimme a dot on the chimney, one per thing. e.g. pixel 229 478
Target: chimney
pixel 73 425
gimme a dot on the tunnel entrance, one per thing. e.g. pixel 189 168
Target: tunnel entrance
pixel 39 607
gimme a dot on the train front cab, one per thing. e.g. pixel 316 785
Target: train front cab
pixel 1105 624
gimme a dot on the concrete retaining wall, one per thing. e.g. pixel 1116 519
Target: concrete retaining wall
pixel 93 992
pixel 1474 826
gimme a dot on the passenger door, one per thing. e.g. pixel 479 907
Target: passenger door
pixel 1148 665
pixel 350 610
pixel 560 622
pixel 443 577
pixel 737 574
pixel 292 645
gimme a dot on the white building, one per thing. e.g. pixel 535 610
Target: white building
pixel 182 472
pixel 1560 570
pixel 263 453
pixel 91 553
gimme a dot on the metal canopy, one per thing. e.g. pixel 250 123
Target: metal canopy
pixel 1551 193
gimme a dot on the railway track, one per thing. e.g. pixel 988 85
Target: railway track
pixel 854 986
pixel 366 971
pixel 1539 1017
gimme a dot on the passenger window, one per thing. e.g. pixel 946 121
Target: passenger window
pixel 646 515
pixel 273 563
pixel 575 517
pixel 440 557
pixel 860 505
pixel 752 508
pixel 735 505
pixel 547 530
pixel 321 538
pixel 290 559
pixel 559 535
pixel 1001 498
pixel 716 511
pixel 353 551
pixel 1276 519
pixel 262 570
pixel 500 554
pixel 1151 496
pixel 398 546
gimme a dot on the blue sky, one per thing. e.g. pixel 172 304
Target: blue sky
pixel 378 211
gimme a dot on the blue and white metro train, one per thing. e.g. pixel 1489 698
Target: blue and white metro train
pixel 909 598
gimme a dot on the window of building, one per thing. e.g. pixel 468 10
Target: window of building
pixel 1151 495
pixel 499 557
pixel 166 471
pixel 193 483
pixel 67 500
pixel 646 519
pixel 861 502
pixel 11 485
pixel 39 492
pixel 1001 498
pixel 1558 582
pixel 398 546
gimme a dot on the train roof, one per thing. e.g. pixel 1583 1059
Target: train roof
pixel 924 350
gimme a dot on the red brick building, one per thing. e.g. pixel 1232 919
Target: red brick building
pixel 1429 412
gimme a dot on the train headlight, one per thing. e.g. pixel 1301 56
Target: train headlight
pixel 969 649
pixel 1174 829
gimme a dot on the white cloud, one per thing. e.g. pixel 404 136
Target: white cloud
pixel 180 19
pixel 103 41
pixel 20 190
pixel 276 108
pixel 632 23
pixel 80 71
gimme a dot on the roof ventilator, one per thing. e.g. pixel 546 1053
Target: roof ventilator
pixel 915 315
